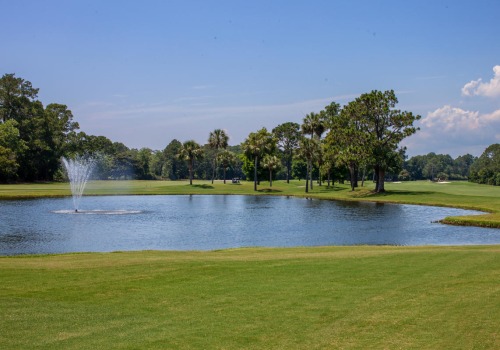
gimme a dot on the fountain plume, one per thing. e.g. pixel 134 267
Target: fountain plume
pixel 78 170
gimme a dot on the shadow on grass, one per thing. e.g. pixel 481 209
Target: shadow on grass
pixel 269 190
pixel 204 186
pixel 326 189
pixel 372 194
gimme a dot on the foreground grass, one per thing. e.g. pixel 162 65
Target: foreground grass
pixel 298 298
pixel 455 194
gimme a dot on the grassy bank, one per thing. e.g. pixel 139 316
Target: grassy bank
pixel 300 298
pixel 455 194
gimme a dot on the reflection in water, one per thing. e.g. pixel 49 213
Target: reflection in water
pixel 215 222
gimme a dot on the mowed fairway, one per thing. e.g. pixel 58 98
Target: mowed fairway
pixel 368 297
pixel 300 298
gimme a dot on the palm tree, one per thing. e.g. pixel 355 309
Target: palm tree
pixel 271 162
pixel 287 135
pixel 226 159
pixel 313 124
pixel 190 151
pixel 330 159
pixel 256 145
pixel 308 149
pixel 216 140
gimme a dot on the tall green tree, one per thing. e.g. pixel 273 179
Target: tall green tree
pixel 190 152
pixel 461 166
pixel 256 146
pixel 271 162
pixel 156 164
pixel 386 126
pixel 308 150
pixel 218 139
pixel 486 169
pixel 174 168
pixel 310 124
pixel 144 159
pixel 430 165
pixel 44 131
pixel 16 94
pixel 82 143
pixel 32 130
pixel 329 114
pixel 18 102
pixel 287 136
pixel 314 124
pixel 10 146
pixel 54 128
pixel 226 159
pixel 327 159
pixel 348 140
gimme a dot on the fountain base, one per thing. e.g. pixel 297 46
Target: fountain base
pixel 98 212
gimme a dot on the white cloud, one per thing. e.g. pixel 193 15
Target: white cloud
pixel 494 119
pixel 489 89
pixel 449 118
pixel 455 131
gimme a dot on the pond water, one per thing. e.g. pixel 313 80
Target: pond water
pixel 113 223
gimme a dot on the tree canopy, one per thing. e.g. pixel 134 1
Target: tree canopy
pixel 256 146
pixel 362 138
pixel 287 136
pixel 190 151
pixel 486 169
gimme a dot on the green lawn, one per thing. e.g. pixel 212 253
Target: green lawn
pixel 455 194
pixel 297 298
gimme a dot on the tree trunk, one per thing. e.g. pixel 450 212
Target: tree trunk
pixel 381 180
pixel 224 171
pixel 215 170
pixel 270 178
pixel 288 166
pixel 376 174
pixel 190 172
pixel 356 175
pixel 255 175
pixel 307 177
pixel 352 173
pixel 311 175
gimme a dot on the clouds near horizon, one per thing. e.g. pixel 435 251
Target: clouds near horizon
pixel 464 124
pixel 478 88
pixel 458 130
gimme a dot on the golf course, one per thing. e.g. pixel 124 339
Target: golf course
pixel 346 297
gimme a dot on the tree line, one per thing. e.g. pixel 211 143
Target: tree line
pixel 353 143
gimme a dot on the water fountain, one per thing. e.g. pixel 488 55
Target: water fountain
pixel 78 170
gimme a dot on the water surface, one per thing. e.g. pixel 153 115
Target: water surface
pixel 112 223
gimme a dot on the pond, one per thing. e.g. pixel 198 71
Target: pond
pixel 114 223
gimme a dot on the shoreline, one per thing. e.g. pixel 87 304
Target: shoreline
pixel 411 193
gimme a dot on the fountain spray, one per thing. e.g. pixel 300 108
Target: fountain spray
pixel 78 170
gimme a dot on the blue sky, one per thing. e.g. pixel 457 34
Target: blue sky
pixel 144 73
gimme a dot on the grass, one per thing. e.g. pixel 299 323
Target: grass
pixel 297 298
pixel 456 194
